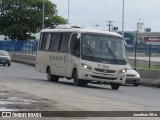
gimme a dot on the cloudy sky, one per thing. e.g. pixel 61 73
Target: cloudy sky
pixel 98 12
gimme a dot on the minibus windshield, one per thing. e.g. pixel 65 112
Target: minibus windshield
pixel 105 49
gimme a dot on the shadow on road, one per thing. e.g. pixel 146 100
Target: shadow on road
pixel 69 83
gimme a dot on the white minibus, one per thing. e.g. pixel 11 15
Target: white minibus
pixel 82 54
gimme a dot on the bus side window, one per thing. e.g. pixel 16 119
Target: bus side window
pixel 40 42
pixel 48 42
pixel 55 41
pixel 43 42
pixel 75 45
pixel 64 42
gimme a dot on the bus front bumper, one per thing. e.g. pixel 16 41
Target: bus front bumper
pixel 97 77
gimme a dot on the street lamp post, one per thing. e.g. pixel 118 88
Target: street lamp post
pixel 97 26
pixel 68 9
pixel 123 19
pixel 43 16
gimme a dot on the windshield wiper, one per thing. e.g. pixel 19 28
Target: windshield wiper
pixel 115 58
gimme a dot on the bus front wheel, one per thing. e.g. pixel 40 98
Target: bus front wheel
pixel 135 84
pixel 115 86
pixel 76 81
pixel 51 77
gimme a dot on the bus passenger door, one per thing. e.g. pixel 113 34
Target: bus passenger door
pixel 74 56
pixel 64 53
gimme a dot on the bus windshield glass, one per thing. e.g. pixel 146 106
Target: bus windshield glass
pixel 103 48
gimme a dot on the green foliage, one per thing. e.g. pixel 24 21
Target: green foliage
pixel 20 18
pixel 55 20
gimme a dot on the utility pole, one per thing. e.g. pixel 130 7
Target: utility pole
pixel 110 24
pixel 43 16
pixel 123 19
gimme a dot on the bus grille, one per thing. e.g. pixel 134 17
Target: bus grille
pixel 100 77
pixel 130 75
pixel 104 70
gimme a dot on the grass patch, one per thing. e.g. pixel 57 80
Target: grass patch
pixel 145 65
pixel 156 85
pixel 150 85
pixel 23 62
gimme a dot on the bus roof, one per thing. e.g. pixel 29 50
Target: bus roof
pixel 83 30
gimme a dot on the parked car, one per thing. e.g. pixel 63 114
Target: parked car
pixel 5 58
pixel 132 76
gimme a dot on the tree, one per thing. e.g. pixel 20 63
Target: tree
pixel 20 18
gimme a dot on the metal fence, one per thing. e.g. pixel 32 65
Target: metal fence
pixel 145 56
pixel 21 47
pixel 140 56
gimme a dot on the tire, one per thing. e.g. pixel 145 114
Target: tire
pixel 135 84
pixel 76 81
pixel 84 82
pixel 115 86
pixel 4 64
pixel 51 77
pixel 9 64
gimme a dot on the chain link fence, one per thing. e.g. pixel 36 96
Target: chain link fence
pixel 140 56
pixel 143 56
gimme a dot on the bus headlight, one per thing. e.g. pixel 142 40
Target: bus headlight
pixel 123 71
pixel 86 67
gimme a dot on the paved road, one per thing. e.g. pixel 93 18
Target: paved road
pixel 18 73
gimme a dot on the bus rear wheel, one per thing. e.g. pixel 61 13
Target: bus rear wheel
pixel 115 86
pixel 51 77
